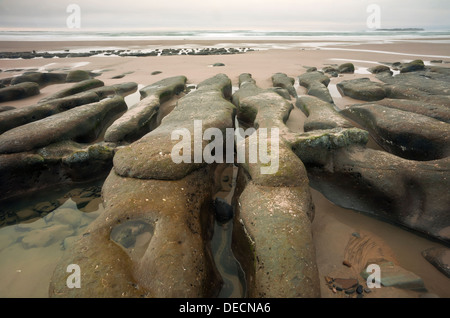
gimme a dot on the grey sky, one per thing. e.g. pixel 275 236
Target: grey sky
pixel 296 15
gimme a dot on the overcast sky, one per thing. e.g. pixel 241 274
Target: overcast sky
pixel 295 15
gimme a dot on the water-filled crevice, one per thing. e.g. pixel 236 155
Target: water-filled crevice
pixel 229 268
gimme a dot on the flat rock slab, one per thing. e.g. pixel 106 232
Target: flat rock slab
pixel 320 91
pixel 275 223
pixel 405 134
pixel 6 108
pixel 83 123
pixel 439 257
pixel 362 89
pixel 321 115
pixel 122 89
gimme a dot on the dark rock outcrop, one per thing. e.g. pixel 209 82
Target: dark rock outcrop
pixel 405 134
pixel 42 79
pixel 62 163
pixel 154 234
pixel 6 108
pixel 150 242
pixel 438 112
pixel 75 89
pixel 18 91
pixel 380 69
pixel 28 114
pixel 83 124
pixel 346 68
pixel 423 82
pixel 362 89
pixel 78 76
pixel 415 65
pixel 122 89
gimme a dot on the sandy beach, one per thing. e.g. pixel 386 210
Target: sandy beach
pixel 332 223
pixel 262 64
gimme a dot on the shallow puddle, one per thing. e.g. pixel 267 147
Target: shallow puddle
pixel 37 233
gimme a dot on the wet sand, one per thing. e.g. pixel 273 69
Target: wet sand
pixel 333 226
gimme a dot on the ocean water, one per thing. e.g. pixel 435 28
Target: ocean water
pixel 80 34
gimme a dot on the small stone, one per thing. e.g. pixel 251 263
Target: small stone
pixel 223 211
pixel 328 279
pixel 350 291
pixel 367 290
pixel 218 64
pixel 346 68
pixel 359 289
pixel 347 263
pixel 334 290
pixel 156 72
pixel 356 234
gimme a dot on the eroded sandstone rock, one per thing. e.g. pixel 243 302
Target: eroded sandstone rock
pixel 150 157
pixel 406 134
pixel 18 91
pixel 83 124
pixel 362 89
pixel 136 122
